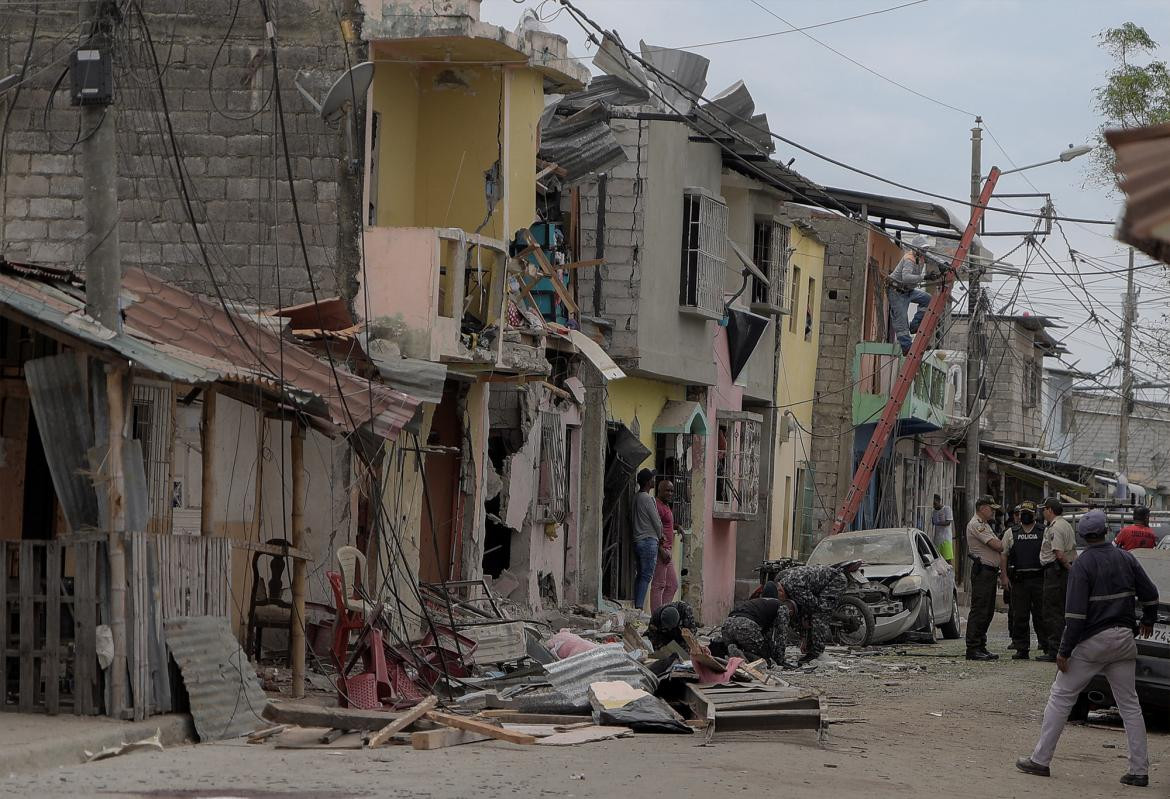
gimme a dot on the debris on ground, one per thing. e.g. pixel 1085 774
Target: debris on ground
pixel 153 742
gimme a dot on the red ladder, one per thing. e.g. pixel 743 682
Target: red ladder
pixel 889 417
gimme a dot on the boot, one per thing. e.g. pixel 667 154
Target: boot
pixel 980 654
pixel 1026 765
pixel 989 655
pixel 1047 657
pixel 1021 654
pixel 1136 780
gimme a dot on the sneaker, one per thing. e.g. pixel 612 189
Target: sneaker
pixel 1026 765
pixel 1136 780
pixel 979 654
pixel 1047 657
pixel 1020 655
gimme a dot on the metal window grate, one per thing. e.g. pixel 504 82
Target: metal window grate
pixel 154 428
pixel 703 259
pixel 552 495
pixel 672 461
pixel 737 466
pixel 770 253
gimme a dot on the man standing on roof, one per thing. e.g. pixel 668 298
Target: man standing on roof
pixel 904 291
pixel 1138 535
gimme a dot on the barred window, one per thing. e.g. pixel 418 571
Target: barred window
pixel 553 491
pixel 703 260
pixel 737 465
pixel 672 461
pixel 770 254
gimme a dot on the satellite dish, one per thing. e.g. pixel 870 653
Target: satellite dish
pixel 352 84
pixel 342 97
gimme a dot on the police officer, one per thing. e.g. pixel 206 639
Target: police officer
pixel 1020 573
pixel 984 549
pixel 816 590
pixel 1058 550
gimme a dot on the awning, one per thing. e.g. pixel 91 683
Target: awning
pixel 1036 476
pixel 681 417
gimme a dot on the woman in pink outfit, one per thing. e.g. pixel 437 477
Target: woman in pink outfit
pixel 665 583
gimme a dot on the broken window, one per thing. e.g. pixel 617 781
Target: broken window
pixel 795 299
pixel 770 254
pixel 703 261
pixel 808 309
pixel 552 498
pixel 672 461
pixel 737 465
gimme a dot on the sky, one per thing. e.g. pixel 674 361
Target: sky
pixel 1028 67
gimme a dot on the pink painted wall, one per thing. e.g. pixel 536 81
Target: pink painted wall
pixel 719 539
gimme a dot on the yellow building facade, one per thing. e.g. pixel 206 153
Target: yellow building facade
pixel 792 484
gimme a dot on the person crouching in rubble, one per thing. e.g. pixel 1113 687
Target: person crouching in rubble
pixel 668 622
pixel 758 628
pixel 815 590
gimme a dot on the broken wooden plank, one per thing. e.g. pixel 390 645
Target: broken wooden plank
pixel 259 736
pixel 550 272
pixel 583 264
pixel 585 735
pixel 329 736
pixel 402 722
pixel 699 653
pixel 767 719
pixel 345 718
pixel 481 727
pixel 442 738
pixel 516 717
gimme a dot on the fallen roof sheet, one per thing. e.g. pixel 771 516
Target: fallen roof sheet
pixel 582 144
pixel 177 335
pixel 1031 473
pixel 1143 164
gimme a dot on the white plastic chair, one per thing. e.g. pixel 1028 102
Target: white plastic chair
pixel 349 560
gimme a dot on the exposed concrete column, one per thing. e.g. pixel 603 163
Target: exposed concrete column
pixel 475 418
pixel 593 442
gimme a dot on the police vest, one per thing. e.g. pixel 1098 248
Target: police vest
pixel 1025 553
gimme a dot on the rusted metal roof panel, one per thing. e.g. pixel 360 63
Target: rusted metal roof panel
pixel 1143 166
pixel 226 698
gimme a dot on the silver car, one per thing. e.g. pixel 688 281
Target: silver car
pixel 910 587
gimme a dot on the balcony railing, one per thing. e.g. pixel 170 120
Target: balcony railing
pixel 876 366
pixel 425 281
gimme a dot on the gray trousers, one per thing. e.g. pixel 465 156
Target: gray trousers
pixel 1111 652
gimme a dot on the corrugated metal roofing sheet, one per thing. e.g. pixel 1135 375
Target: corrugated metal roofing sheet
pixel 226 698
pixel 582 144
pixel 177 335
pixel 1143 163
pixel 572 676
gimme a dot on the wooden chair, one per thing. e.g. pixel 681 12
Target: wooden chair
pixel 267 607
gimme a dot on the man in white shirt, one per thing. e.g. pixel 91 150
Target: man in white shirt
pixel 904 291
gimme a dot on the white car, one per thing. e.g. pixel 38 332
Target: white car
pixel 910 587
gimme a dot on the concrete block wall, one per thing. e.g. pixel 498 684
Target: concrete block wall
pixel 620 278
pixel 230 150
pixel 1095 429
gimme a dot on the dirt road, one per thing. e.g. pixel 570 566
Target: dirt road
pixel 927 724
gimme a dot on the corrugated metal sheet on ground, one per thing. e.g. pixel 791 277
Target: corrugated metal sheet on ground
pixel 226 698
pixel 572 676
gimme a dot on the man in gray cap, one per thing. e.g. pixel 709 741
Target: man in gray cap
pixel 1099 639
pixel 904 291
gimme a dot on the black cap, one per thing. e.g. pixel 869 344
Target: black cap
pixel 985 500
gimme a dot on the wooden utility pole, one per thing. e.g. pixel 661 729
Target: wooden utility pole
pixel 296 638
pixel 103 287
pixel 207 443
pixel 974 344
pixel 1126 376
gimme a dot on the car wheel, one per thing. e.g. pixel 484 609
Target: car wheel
pixel 853 609
pixel 950 628
pixel 927 616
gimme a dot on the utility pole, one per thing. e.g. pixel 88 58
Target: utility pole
pixel 1126 375
pixel 92 89
pixel 973 353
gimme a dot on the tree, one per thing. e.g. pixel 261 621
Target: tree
pixel 1135 94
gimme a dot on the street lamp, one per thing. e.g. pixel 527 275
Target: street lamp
pixel 1067 155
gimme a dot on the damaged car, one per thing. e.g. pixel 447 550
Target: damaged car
pixel 908 586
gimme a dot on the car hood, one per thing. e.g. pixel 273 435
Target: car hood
pixel 884 572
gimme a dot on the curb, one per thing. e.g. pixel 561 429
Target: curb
pixel 67 749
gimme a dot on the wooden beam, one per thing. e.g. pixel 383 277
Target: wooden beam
pixel 442 738
pixel 342 718
pixel 296 638
pixel 584 264
pixel 207 442
pixel 402 722
pixel 550 273
pixel 481 727
pixel 259 736
pixel 115 523
pixel 516 717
